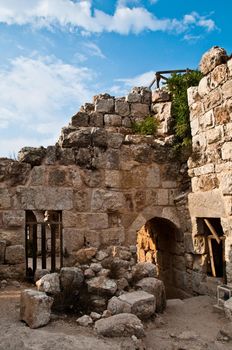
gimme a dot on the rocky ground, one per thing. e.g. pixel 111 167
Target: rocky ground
pixel 192 324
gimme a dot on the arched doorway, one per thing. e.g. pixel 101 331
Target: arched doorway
pixel 160 242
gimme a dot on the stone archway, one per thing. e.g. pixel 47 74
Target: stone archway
pixel 160 242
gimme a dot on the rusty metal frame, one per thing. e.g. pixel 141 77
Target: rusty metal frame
pixel 159 75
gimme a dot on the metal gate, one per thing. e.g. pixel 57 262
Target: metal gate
pixel 44 246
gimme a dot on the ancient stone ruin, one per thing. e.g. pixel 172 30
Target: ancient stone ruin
pixel 105 198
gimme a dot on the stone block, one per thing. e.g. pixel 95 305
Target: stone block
pixel 57 177
pixel 163 197
pixel 96 119
pixel 134 97
pixel 15 254
pixel 194 124
pixel 120 325
pixel 73 219
pixel 105 105
pixel 213 58
pixel 207 120
pixel 113 236
pixel 155 287
pixel 229 65
pixel 153 176
pixel 32 155
pixel 227 151
pixel 112 120
pixel 218 76
pixel 193 95
pixel 37 176
pixel 97 221
pixel 5 202
pixel 204 86
pixel 160 95
pixel 196 110
pixel 51 155
pixel 41 198
pixel 103 200
pixel 84 255
pixel 115 140
pixel 222 114
pixel 13 218
pixel 142 270
pixel 73 239
pixel 49 283
pixel 227 89
pixel 77 138
pixel 84 321
pixel 71 279
pixel 2 251
pixel 99 138
pixel 139 110
pixel 204 169
pixel 112 159
pixel 226 183
pixel 35 308
pixel 122 107
pixel 112 179
pixel 140 303
pixel 80 119
pixel 102 286
pixel 82 200
pixel 213 99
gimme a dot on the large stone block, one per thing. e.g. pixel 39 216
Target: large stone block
pixel 57 177
pixel 122 107
pixel 120 325
pixel 227 151
pixel 213 99
pixel 102 286
pixel 193 95
pixel 213 58
pixel 2 251
pixel 155 287
pixel 140 303
pixel 204 86
pixel 227 89
pixel 37 176
pixel 46 198
pixel 141 270
pixel 35 308
pixel 80 119
pixel 97 221
pixel 103 200
pixel 112 120
pixel 71 278
pixel 5 202
pixel 15 254
pixel 49 283
pixel 139 110
pixel 153 176
pixel 13 218
pixel 218 75
pixel 105 105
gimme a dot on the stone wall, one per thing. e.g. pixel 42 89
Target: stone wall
pixel 107 181
pixel 210 164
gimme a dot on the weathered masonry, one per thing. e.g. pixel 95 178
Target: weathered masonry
pixel 102 185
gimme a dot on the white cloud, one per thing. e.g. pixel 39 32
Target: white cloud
pixel 38 95
pixel 80 14
pixel 143 79
pixel 94 50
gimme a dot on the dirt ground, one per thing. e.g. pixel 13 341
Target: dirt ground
pixel 191 324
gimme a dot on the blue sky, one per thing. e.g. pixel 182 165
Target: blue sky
pixel 56 54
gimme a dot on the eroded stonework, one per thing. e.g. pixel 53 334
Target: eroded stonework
pixel 107 182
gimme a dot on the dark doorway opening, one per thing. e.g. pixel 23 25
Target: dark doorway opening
pixel 43 241
pixel 160 242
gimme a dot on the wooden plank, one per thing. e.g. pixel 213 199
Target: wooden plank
pixel 212 230
pixel 211 257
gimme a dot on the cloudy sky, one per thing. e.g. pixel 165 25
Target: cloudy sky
pixel 56 54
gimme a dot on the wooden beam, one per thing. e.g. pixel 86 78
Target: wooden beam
pixel 211 257
pixel 212 230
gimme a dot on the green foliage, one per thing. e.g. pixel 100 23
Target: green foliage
pixel 148 126
pixel 177 85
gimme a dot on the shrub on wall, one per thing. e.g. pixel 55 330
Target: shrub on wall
pixel 177 85
pixel 148 126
